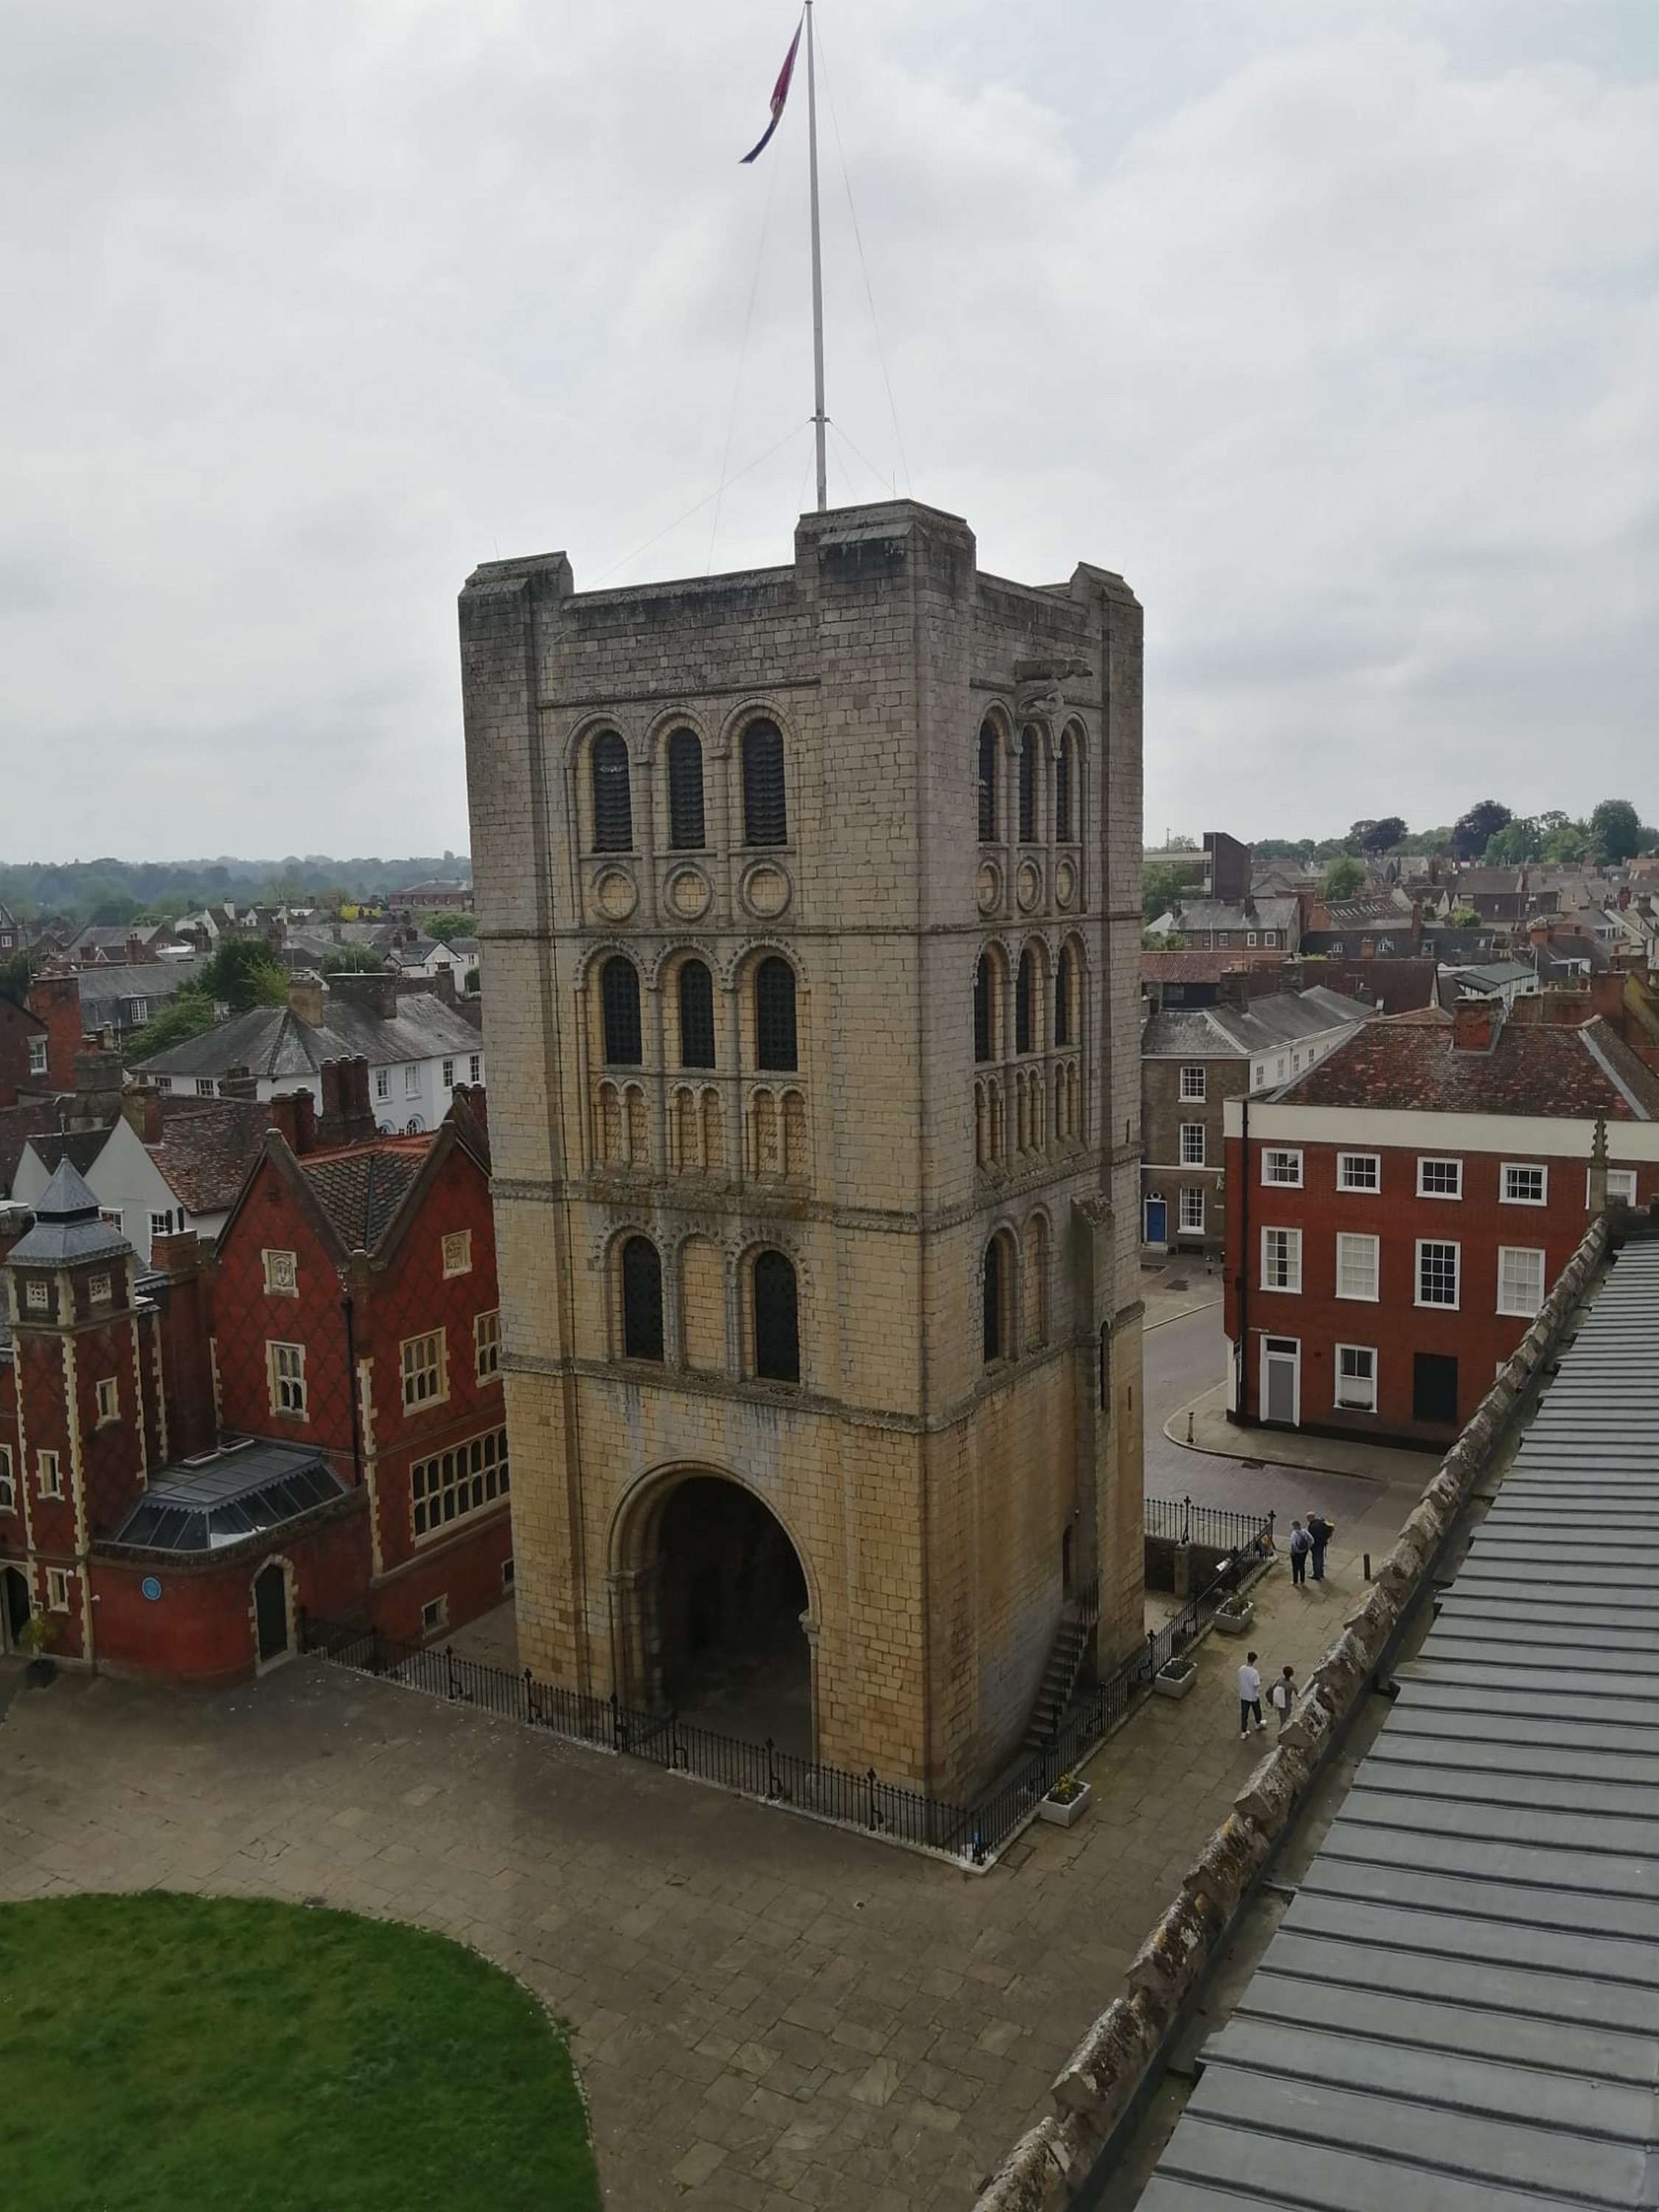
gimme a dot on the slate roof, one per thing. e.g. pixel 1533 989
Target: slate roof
pixel 102 989
pixel 33 1117
pixel 273 1042
pixel 1215 913
pixel 79 1147
pixel 67 1225
pixel 1402 1064
pixel 1460 2010
pixel 360 1191
pixel 1364 913
pixel 1279 1019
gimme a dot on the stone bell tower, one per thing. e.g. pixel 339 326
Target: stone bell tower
pixel 810 901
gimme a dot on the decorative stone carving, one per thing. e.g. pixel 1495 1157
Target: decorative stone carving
pixel 765 890
pixel 689 893
pixel 616 893
pixel 1064 884
pixel 1028 886
pixel 988 886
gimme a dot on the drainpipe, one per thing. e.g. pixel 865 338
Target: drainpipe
pixel 1242 1349
pixel 351 1386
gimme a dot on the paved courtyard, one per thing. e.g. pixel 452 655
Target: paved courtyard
pixel 766 2013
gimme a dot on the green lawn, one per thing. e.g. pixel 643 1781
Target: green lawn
pixel 166 2052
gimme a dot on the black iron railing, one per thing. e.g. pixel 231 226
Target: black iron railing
pixel 1220 1527
pixel 973 1833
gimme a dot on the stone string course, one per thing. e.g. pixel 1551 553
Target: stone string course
pixel 1095 2088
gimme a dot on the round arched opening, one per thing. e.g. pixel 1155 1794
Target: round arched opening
pixel 730 1597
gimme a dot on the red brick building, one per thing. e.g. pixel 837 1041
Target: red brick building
pixel 1396 1217
pixel 191 1458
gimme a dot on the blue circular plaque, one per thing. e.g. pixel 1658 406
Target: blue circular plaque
pixel 151 1587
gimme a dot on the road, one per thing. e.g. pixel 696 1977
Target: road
pixel 1185 1356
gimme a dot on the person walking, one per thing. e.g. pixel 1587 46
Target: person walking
pixel 1320 1533
pixel 1301 1545
pixel 1282 1696
pixel 1250 1697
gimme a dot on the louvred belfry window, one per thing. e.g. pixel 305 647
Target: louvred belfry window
pixel 1063 772
pixel 619 1000
pixel 641 1283
pixel 987 782
pixel 696 1015
pixel 982 1009
pixel 777 1328
pixel 685 824
pixel 1028 784
pixel 774 1014
pixel 765 817
pixel 613 807
pixel 1024 992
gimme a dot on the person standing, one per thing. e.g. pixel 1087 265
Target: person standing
pixel 1282 1696
pixel 1320 1533
pixel 1250 1697
pixel 1301 1545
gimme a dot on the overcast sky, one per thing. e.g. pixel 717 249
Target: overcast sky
pixel 1334 325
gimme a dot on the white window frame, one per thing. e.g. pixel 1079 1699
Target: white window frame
pixel 38 1055
pixel 1192 1145
pixel 475 1067
pixel 205 1086
pixel 1260 1074
pixel 1428 1160
pixel 1507 1252
pixel 1291 1157
pixel 1193 1082
pixel 1373 1189
pixel 383 1083
pixel 282 1274
pixel 1250 937
pixel 1192 1204
pixel 285 1378
pixel 37 1297
pixel 140 1012
pixel 161 1082
pixel 100 1291
pixel 1454 1304
pixel 457 1249
pixel 1278 1076
pixel 1270 937
pixel 7 1481
pixel 1625 1180
pixel 412 1080
pixel 448 1070
pixel 108 1393
pixel 487 1344
pixel 423 1369
pixel 49 1473
pixel 1508 1197
pixel 1292 1287
pixel 1348 1242
pixel 161 1225
pixel 1351 1405
pixel 450 1485
pixel 58 1589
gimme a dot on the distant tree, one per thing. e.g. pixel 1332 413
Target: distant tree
pixel 1163 887
pixel 182 1017
pixel 1345 877
pixel 1615 829
pixel 470 983
pixel 444 927
pixel 1473 832
pixel 1517 841
pixel 352 959
pixel 1463 917
pixel 243 974
pixel 1382 835
pixel 1184 845
pixel 1565 842
pixel 15 975
pixel 113 910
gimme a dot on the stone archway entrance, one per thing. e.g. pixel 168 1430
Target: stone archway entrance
pixel 711 1610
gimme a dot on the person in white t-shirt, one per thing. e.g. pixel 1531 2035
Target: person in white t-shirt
pixel 1282 1696
pixel 1250 1697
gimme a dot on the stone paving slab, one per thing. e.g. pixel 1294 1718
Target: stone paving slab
pixel 766 2013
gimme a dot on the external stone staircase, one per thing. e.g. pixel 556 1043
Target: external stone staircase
pixel 1059 1676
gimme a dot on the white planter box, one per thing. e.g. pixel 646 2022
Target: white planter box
pixel 1067 1816
pixel 1235 1624
pixel 1174 1686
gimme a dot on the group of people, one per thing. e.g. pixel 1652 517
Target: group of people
pixel 1307 1547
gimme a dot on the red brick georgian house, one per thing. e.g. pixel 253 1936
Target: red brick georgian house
pixel 192 1457
pixel 1397 1215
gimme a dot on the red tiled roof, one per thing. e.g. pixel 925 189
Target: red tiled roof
pixel 361 1190
pixel 1407 1063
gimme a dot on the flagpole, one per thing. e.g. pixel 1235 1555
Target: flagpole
pixel 818 417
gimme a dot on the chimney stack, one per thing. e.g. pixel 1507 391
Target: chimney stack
pixel 294 1113
pixel 135 949
pixel 305 998
pixel 1475 1023
pixel 99 1081
pixel 239 1083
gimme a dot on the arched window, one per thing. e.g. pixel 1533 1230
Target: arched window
pixel 613 811
pixel 765 820
pixel 777 1321
pixel 984 1034
pixel 1064 769
pixel 1065 977
pixel 1028 784
pixel 987 782
pixel 619 1000
pixel 685 832
pixel 774 1014
pixel 696 1015
pixel 1025 991
pixel 998 1289
pixel 642 1289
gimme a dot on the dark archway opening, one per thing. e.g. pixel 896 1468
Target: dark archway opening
pixel 730 1595
pixel 14 1607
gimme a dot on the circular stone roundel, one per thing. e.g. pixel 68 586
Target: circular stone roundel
pixel 989 886
pixel 1028 885
pixel 689 893
pixel 616 895
pixel 1065 883
pixel 766 890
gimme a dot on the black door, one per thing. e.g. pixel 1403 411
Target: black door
pixel 1434 1387
pixel 270 1612
pixel 14 1605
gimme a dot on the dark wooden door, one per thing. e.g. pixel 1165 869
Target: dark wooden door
pixel 270 1612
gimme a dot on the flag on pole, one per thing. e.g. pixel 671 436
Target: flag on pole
pixel 780 94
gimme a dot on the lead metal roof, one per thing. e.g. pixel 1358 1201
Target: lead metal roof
pixel 246 1487
pixel 1460 2011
